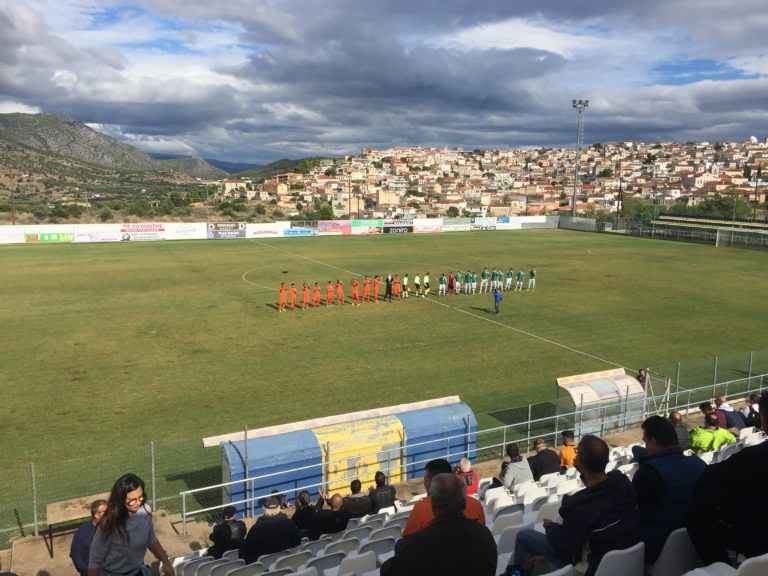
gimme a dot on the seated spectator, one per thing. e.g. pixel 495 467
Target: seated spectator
pixel 328 521
pixel 383 495
pixel 710 436
pixel 567 451
pixel 422 514
pixel 752 411
pixel 681 431
pixel 228 534
pixel 545 461
pixel 603 516
pixel 304 515
pixel 642 377
pixel 728 511
pixel 451 544
pixel 664 484
pixel 514 470
pixel 470 478
pixel 80 549
pixel 272 532
pixel 706 408
pixel 357 504
pixel 733 418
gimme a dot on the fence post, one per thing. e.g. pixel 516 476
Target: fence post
pixel 34 495
pixel 677 387
pixel 529 422
pixel 581 412
pixel 184 512
pixel 503 441
pixel 749 382
pixel 626 408
pixel 152 465
pixel 248 503
pixel 714 379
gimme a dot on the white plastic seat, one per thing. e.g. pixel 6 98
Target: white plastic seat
pixel 306 572
pixel 499 502
pixel 346 546
pixel 567 486
pixel 627 562
pixel 228 568
pixel 190 567
pixel 677 557
pixel 268 560
pixel 548 510
pixel 316 546
pixel 248 570
pixel 323 563
pixel 523 487
pixel 505 521
pixel 357 564
pixel 505 547
pixel 757 566
pixel 507 509
pixel 281 572
pixel 388 532
pixel 379 547
pixel 360 533
pixel 206 567
pixel 531 495
pixel 727 451
pixel 707 457
pixel 294 561
pixel 231 554
pixel 544 480
pixel 493 493
pixel 396 522
pixel 373 517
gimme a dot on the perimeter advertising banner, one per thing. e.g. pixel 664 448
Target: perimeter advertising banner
pixel 367 226
pixel 427 225
pixel 334 227
pixel 98 233
pixel 293 232
pixel 397 226
pixel 12 235
pixel 185 231
pixel 457 224
pixel 488 223
pixel 225 230
pixel 265 230
pixel 142 232
pixel 49 233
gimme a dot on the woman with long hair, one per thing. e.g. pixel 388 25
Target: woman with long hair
pixel 125 533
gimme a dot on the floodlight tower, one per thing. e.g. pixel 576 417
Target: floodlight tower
pixel 580 106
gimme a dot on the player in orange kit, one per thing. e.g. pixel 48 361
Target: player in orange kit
pixel 329 294
pixel 355 292
pixel 293 296
pixel 281 305
pixel 366 289
pixel 396 287
pixel 316 295
pixel 304 296
pixel 339 292
pixel 376 289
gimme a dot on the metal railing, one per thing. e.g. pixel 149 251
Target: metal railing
pixel 602 418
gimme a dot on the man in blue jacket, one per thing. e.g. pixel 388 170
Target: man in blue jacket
pixel 664 483
pixel 603 515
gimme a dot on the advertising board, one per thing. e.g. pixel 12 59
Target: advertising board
pixel 225 230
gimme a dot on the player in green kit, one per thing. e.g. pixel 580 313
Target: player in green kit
pixel 520 278
pixel 484 279
pixel 508 281
pixel 459 278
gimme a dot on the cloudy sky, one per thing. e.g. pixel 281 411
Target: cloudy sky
pixel 258 80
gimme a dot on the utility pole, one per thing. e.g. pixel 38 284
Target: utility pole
pixel 579 106
pixel 13 207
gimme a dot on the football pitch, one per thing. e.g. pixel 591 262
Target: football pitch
pixel 146 341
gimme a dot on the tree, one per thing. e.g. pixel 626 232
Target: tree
pixel 597 146
pixel 605 173
pixel 105 214
pixel 452 212
pixel 326 212
pixel 331 172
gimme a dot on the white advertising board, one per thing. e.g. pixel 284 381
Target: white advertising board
pixel 98 233
pixel 263 230
pixel 11 234
pixel 427 225
pixel 185 231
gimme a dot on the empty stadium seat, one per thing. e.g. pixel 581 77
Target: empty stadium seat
pixel 190 567
pixel 248 570
pixel 379 547
pixel 268 560
pixel 677 557
pixel 206 568
pixel 228 568
pixel 306 572
pixel 346 546
pixel 355 564
pixel 757 566
pixel 231 554
pixel 361 533
pixel 316 546
pixel 627 562
pixel 388 532
pixel 323 563
pixel 505 546
pixel 507 509
pixel 505 521
pixel 294 561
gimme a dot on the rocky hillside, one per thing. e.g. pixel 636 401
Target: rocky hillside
pixel 196 167
pixel 73 139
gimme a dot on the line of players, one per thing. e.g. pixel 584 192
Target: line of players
pixel 395 288
pixel 489 281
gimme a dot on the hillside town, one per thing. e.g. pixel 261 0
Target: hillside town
pixel 409 181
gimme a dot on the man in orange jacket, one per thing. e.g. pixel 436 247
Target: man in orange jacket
pixel 367 289
pixel 329 294
pixel 316 295
pixel 355 292
pixel 293 296
pixel 304 296
pixel 376 289
pixel 339 292
pixel 281 305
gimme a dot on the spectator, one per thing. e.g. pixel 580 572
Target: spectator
pixel 272 532
pixel 728 511
pixel 706 408
pixel 664 484
pixel 383 495
pixel 711 436
pixel 568 450
pixel 329 521
pixel 125 533
pixel 603 516
pixel 545 461
pixel 304 515
pixel 470 478
pixel 422 514
pixel 228 534
pixel 733 418
pixel 81 543
pixel 451 544
pixel 514 470
pixel 357 504
pixel 683 440
pixel 642 377
pixel 752 411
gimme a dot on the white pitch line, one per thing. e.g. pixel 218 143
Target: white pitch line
pixel 254 283
pixel 307 258
pixel 529 334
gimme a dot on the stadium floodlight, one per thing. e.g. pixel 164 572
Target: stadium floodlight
pixel 579 106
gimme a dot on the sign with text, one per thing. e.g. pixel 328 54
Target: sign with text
pixel 226 230
pixel 398 226
pixel 142 232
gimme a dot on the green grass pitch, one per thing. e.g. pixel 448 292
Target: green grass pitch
pixel 182 340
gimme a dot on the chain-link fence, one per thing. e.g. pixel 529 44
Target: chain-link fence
pixel 717 237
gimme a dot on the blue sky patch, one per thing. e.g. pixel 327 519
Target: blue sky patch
pixel 695 70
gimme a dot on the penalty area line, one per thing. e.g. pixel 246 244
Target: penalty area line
pixel 529 334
